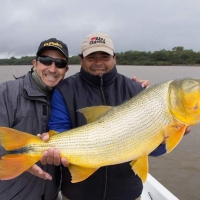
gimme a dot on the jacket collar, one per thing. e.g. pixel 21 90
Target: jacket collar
pixel 29 88
pixel 104 80
pixel 40 85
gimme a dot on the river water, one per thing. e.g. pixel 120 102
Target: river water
pixel 155 74
pixel 178 171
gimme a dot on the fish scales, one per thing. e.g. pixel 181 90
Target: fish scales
pixel 119 135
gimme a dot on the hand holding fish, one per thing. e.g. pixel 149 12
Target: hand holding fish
pixel 37 171
pixel 188 129
pixel 52 155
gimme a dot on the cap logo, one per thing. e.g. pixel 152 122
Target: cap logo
pixel 95 40
pixel 52 44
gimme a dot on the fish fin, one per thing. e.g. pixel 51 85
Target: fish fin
pixel 141 167
pixel 80 173
pixel 174 135
pixel 94 112
pixel 52 133
pixel 13 165
pixel 13 139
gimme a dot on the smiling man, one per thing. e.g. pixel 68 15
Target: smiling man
pixel 51 63
pixel 25 106
pixel 97 83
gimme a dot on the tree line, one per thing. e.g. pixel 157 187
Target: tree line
pixel 176 56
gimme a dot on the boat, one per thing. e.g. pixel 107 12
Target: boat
pixel 154 190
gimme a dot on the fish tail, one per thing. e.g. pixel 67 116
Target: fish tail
pixel 13 139
pixel 13 165
pixel 17 158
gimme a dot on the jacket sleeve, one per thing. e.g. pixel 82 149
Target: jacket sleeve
pixel 59 120
pixel 158 151
pixel 6 106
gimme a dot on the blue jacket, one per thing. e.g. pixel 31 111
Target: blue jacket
pixel 82 90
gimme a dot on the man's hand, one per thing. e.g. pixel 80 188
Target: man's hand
pixel 187 130
pixel 37 171
pixel 144 83
pixel 52 155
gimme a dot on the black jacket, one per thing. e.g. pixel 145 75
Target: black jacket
pixel 116 182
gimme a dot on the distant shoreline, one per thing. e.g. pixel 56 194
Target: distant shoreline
pixel 177 57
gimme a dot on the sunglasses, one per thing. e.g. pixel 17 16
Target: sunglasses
pixel 46 60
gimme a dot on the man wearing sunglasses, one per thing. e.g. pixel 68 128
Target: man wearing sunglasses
pixel 25 106
pixel 97 83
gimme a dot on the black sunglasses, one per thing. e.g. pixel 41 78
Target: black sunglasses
pixel 46 60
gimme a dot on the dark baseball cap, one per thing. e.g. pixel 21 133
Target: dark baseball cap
pixel 55 44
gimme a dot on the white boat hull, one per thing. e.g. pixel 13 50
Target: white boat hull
pixel 153 190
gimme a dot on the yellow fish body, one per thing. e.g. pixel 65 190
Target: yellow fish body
pixel 113 135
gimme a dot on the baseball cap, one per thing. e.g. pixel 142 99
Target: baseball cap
pixel 53 43
pixel 97 42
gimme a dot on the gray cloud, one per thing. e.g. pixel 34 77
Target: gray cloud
pixel 141 25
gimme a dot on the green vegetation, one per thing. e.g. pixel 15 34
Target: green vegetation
pixel 27 60
pixel 177 56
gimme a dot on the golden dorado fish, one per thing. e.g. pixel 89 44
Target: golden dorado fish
pixel 113 135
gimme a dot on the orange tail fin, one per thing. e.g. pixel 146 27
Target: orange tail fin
pixel 14 164
pixel 13 139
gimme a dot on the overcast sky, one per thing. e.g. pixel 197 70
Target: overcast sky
pixel 141 25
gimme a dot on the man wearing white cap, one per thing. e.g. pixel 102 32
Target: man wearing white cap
pixel 97 42
pixel 97 83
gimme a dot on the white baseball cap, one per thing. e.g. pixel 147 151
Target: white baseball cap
pixel 97 42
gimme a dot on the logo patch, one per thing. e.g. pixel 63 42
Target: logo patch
pixel 95 40
pixel 52 44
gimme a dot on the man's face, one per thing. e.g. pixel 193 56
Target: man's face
pixel 50 75
pixel 98 63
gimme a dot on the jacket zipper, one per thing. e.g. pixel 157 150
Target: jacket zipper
pixel 102 92
pixel 106 168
